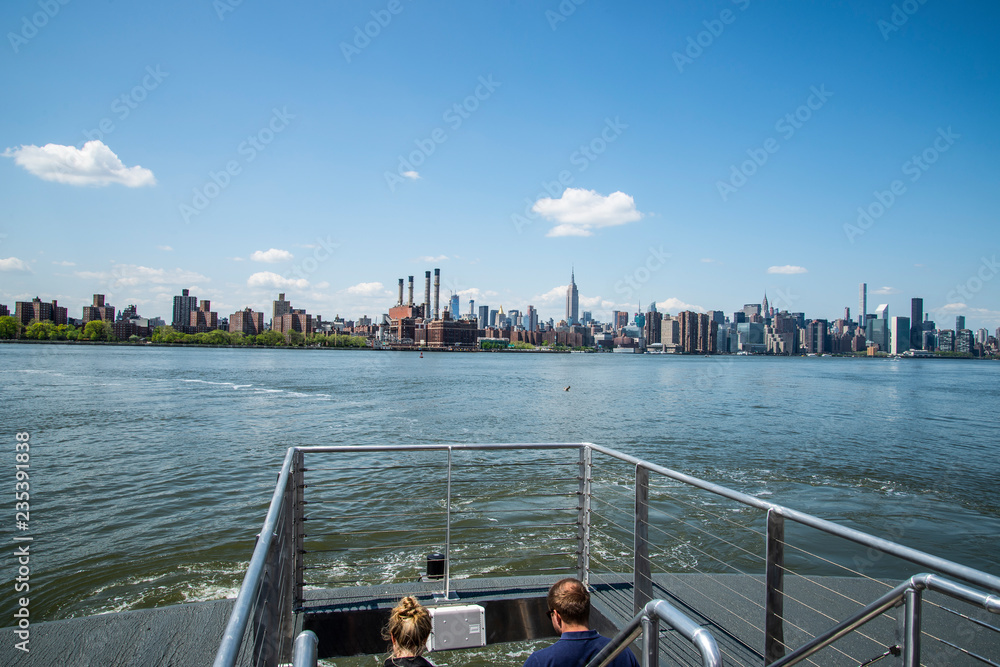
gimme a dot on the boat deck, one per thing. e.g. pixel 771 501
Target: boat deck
pixel 177 636
pixel 351 618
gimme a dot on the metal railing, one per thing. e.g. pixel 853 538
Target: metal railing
pixel 909 592
pixel 647 624
pixel 260 627
pixel 349 517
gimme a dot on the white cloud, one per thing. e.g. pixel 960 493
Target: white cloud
pixel 271 256
pixel 129 275
pixel 322 285
pixel 428 259
pixel 366 289
pixel 269 279
pixel 952 308
pixel 579 212
pixel 94 164
pixel 164 248
pixel 673 305
pixel 709 260
pixel 787 269
pixel 595 303
pixel 412 175
pixel 885 290
pixel 14 264
pixel 554 294
pixel 949 309
pixel 64 263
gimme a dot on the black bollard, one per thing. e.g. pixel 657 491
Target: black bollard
pixel 435 566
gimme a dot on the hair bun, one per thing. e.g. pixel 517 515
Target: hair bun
pixel 409 607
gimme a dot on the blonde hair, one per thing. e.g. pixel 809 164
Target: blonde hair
pixel 409 627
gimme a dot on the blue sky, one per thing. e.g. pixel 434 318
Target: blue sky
pixel 696 154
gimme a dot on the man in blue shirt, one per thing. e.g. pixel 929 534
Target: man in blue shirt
pixel 569 611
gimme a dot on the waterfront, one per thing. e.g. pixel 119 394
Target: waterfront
pixel 151 468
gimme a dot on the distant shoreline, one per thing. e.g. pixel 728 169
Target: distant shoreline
pixel 87 343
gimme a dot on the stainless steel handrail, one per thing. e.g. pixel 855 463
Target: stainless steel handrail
pixel 904 591
pixel 306 650
pixel 232 641
pixel 646 623
pixel 963 572
pixel 291 475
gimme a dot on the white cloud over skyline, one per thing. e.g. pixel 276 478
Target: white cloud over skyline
pixel 273 280
pixel 271 256
pixel 787 269
pixel 366 289
pixel 130 275
pixel 674 305
pixel 14 264
pixel 94 164
pixel 578 212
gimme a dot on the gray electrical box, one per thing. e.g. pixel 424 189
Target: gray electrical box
pixel 457 627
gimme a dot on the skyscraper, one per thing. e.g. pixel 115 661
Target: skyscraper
pixel 959 322
pixel 454 306
pixel 899 335
pixel 484 316
pixel 862 303
pixel 916 323
pixel 532 323
pixel 279 307
pixel 183 306
pixel 572 301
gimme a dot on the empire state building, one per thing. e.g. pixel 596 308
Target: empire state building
pixel 572 301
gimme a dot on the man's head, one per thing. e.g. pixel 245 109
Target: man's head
pixel 571 601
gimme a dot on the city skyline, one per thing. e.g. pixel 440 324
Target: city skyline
pixel 676 154
pixel 186 303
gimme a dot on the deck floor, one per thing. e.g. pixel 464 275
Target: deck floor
pixel 729 605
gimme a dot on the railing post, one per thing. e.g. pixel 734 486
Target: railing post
pixel 650 641
pixel 642 582
pixel 774 575
pixel 447 595
pixel 911 627
pixel 298 526
pixel 583 516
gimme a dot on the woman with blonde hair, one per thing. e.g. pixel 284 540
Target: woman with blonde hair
pixel 409 627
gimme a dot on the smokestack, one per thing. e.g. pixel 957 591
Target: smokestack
pixel 410 303
pixel 437 292
pixel 400 302
pixel 427 294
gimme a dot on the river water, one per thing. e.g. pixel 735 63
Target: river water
pixel 151 468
